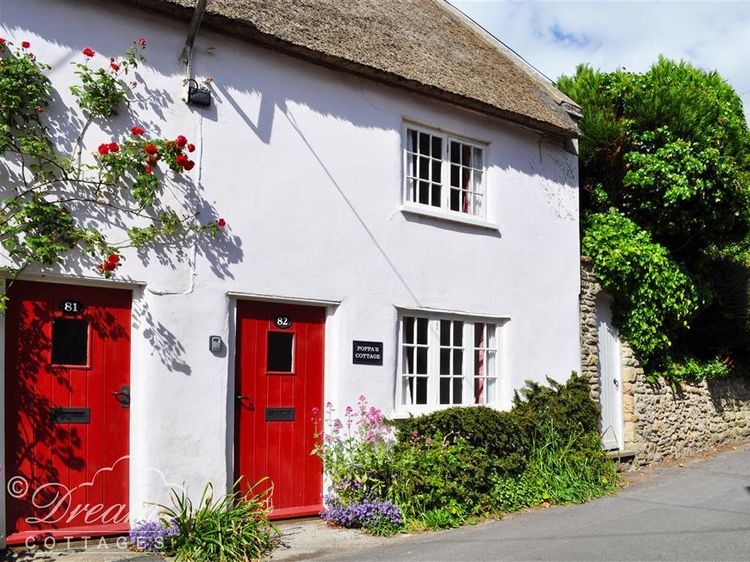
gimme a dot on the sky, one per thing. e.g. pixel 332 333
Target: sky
pixel 556 36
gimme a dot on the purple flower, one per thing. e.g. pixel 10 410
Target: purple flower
pixel 361 515
pixel 152 536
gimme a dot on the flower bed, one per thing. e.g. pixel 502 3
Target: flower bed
pixel 446 468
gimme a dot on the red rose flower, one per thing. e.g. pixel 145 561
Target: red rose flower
pixel 189 165
pixel 142 41
pixel 2 40
pixel 151 149
pixel 137 131
pixel 181 160
pixel 191 147
pixel 103 149
pixel 114 66
pixel 25 44
pixel 114 147
pixel 221 223
pixel 113 259
pixel 180 141
pixel 88 52
pixel 149 169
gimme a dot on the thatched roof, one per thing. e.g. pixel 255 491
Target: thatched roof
pixel 425 46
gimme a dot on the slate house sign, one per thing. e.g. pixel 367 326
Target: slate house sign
pixel 367 352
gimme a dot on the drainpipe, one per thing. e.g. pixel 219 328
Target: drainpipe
pixel 186 57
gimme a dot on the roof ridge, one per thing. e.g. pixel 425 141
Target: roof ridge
pixel 542 79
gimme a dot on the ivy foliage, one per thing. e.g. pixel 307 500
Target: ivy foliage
pixel 656 296
pixel 54 202
pixel 664 168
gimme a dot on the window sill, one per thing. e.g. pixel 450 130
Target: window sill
pixel 454 217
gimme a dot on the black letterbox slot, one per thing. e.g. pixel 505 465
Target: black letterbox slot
pixel 279 414
pixel 70 415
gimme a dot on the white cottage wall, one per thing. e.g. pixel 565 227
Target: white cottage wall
pixel 305 165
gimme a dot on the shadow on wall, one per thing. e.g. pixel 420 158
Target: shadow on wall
pixel 238 77
pixel 163 342
pixel 119 211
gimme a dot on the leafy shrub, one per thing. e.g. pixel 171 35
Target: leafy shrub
pixel 376 517
pixel 233 527
pixel 455 464
pixel 449 476
pixel 498 433
pixel 567 406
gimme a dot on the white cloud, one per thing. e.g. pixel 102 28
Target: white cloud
pixel 557 36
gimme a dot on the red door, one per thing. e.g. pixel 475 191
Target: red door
pixel 66 410
pixel 279 387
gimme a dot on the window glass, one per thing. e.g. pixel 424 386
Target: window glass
pixel 70 341
pixel 415 360
pixel 280 355
pixel 460 189
pixel 457 358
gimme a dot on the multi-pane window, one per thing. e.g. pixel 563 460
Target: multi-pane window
pixel 444 172
pixel 446 362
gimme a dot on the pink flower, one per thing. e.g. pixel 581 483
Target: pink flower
pixel 337 425
pixel 316 411
pixel 88 52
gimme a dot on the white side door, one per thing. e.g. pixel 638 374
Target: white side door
pixel 610 379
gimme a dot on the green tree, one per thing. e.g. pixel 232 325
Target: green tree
pixel 665 202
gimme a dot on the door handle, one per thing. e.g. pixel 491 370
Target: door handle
pixel 240 398
pixel 123 396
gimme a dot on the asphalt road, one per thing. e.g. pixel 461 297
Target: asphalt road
pixel 699 512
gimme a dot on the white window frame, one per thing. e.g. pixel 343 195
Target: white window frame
pixel 444 209
pixel 433 361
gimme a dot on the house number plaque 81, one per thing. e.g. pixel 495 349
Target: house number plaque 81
pixel 71 307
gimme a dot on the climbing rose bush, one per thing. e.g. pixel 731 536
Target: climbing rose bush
pixel 55 200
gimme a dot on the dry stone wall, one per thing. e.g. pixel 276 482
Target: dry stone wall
pixel 661 422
